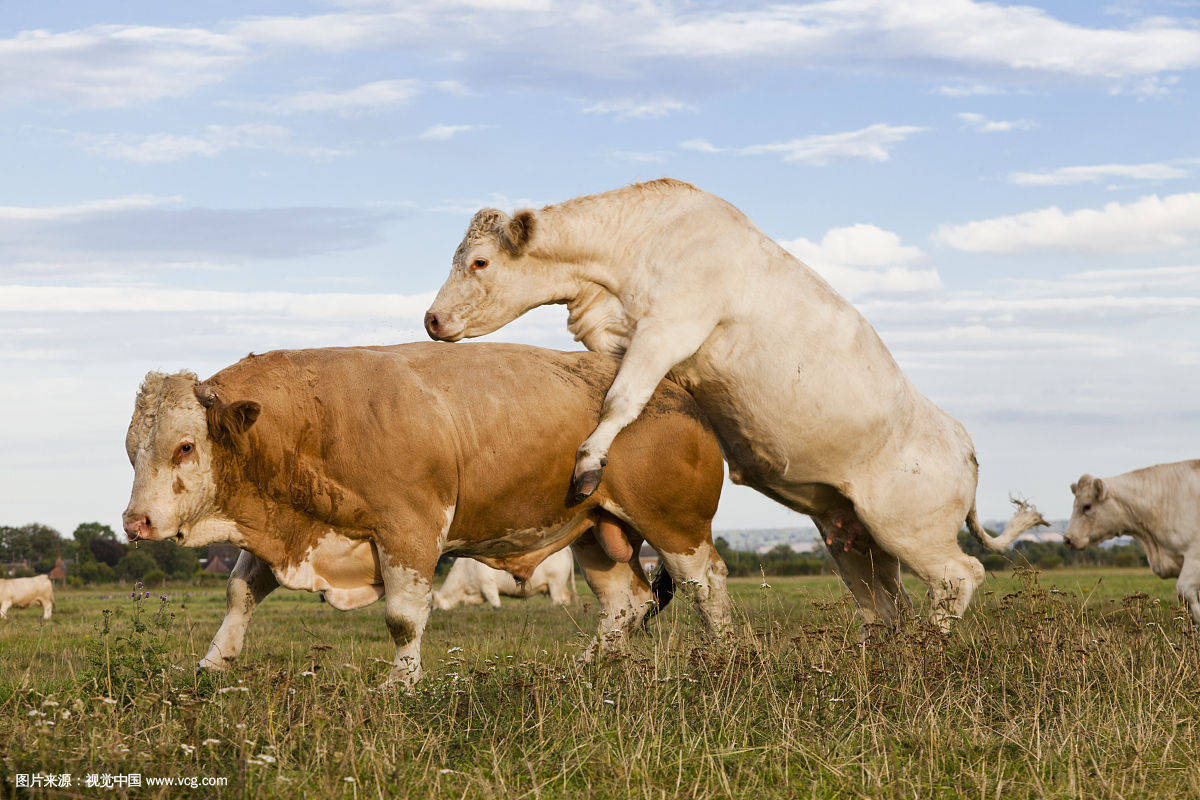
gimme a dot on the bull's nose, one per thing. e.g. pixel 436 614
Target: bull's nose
pixel 136 525
pixel 432 325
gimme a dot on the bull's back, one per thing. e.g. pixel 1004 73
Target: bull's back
pixel 487 429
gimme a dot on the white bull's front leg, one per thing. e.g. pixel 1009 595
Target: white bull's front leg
pixel 656 346
pixel 250 581
pixel 1188 587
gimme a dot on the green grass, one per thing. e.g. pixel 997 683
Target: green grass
pixel 1073 684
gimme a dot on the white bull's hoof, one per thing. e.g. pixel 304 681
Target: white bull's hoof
pixel 585 480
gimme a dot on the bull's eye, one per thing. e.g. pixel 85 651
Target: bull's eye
pixel 184 450
pixel 479 263
pixel 1086 508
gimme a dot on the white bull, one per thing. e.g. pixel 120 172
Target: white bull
pixel 808 404
pixel 1158 506
pixel 473 583
pixel 26 592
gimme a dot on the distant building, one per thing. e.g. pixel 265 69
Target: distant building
pixel 220 558
pixel 11 568
pixel 648 558
pixel 59 572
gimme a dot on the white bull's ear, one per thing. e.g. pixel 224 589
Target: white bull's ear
pixel 1101 490
pixel 516 232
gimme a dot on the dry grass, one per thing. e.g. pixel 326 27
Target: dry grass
pixel 1058 687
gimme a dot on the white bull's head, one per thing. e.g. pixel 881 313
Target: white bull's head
pixel 170 447
pixel 1096 516
pixel 495 277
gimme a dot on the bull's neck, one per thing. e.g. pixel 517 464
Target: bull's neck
pixel 581 240
pixel 1138 499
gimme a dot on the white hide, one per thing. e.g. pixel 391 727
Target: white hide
pixel 26 592
pixel 1158 506
pixel 474 583
pixel 809 405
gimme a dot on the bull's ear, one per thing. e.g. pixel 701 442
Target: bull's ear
pixel 1074 488
pixel 517 232
pixel 1101 490
pixel 225 421
pixel 240 415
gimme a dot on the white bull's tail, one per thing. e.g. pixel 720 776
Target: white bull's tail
pixel 1026 517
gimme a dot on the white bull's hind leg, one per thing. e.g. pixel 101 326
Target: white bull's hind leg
pixel 951 575
pixel 655 348
pixel 250 581
pixel 623 591
pixel 870 573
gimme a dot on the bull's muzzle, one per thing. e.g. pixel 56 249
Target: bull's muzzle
pixel 137 526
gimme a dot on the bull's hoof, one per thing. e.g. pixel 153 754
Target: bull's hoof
pixel 583 485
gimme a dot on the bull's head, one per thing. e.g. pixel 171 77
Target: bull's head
pixel 494 278
pixel 170 443
pixel 1096 516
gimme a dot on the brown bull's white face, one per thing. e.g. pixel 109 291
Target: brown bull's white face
pixel 492 279
pixel 1095 516
pixel 174 490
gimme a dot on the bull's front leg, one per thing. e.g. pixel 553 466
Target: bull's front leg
pixel 1188 587
pixel 250 581
pixel 408 595
pixel 655 347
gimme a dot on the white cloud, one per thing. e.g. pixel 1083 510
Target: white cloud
pixel 440 133
pixel 872 143
pixel 617 45
pixel 864 259
pixel 967 90
pixel 639 108
pixel 87 208
pixel 160 148
pixel 701 146
pixel 370 97
pixel 112 66
pixel 1070 176
pixel 980 123
pixel 1149 223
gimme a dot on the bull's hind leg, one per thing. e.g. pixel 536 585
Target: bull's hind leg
pixel 622 589
pixel 250 581
pixel 703 573
pixel 951 575
pixel 870 573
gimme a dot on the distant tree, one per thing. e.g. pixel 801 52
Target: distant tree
pixel 83 536
pixel 134 565
pixel 94 572
pixel 106 551
pixel 155 577
pixel 178 562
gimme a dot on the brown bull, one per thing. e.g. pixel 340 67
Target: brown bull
pixel 351 470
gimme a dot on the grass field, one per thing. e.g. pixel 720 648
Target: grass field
pixel 1066 684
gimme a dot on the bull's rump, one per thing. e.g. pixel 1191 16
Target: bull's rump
pixel 488 429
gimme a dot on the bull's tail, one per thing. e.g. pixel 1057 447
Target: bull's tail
pixel 663 588
pixel 1027 517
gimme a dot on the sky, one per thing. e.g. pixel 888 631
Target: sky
pixel 1009 193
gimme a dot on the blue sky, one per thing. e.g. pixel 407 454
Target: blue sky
pixel 1009 193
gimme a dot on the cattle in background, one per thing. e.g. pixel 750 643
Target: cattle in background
pixel 351 470
pixel 809 405
pixel 472 582
pixel 1158 506
pixel 26 592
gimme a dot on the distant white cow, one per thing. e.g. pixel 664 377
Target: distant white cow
pixel 26 592
pixel 808 404
pixel 1159 506
pixel 473 583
